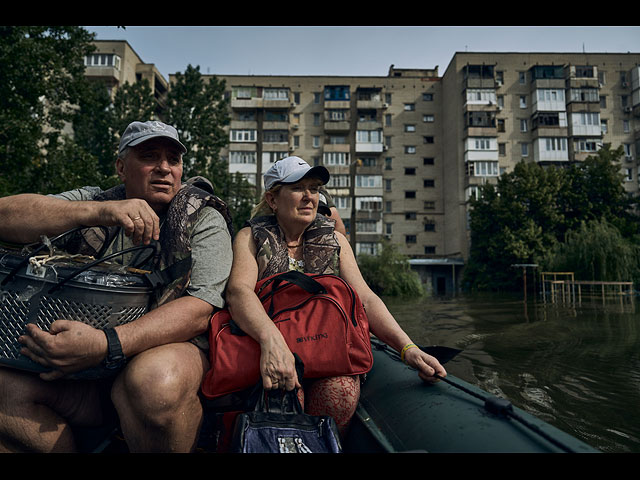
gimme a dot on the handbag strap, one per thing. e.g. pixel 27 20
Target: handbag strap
pixel 293 277
pixel 280 401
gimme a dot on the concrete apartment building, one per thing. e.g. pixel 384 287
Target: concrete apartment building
pixel 115 63
pixel 407 150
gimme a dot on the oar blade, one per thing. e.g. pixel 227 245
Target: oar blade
pixel 443 354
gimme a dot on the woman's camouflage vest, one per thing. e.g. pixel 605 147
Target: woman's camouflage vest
pixel 320 247
pixel 173 263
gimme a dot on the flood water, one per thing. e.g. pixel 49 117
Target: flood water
pixel 575 365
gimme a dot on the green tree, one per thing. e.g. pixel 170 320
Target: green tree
pixel 41 79
pixel 132 102
pixel 199 111
pixel 389 273
pixel 596 250
pixel 532 213
pixel 513 222
pixel 594 190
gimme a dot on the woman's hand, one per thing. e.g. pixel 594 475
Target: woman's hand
pixel 427 365
pixel 277 364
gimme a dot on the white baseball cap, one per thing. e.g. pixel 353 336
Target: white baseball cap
pixel 292 170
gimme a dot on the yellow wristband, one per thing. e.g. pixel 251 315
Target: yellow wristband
pixel 406 347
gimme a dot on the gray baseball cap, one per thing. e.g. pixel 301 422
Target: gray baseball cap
pixel 292 170
pixel 138 132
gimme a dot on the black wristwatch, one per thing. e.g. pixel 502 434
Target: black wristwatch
pixel 115 359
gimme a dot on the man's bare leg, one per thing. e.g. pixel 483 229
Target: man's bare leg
pixel 157 400
pixel 35 415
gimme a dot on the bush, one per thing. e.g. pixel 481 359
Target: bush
pixel 390 273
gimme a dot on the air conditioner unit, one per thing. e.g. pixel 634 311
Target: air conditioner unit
pixel 627 109
pixel 292 148
pixel 385 105
pixel 296 127
pixel 625 84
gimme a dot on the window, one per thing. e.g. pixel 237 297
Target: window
pixel 428 118
pixel 276 94
pixel 409 171
pixel 369 181
pixel 430 226
pixel 102 60
pixel 275 136
pixel 410 194
pixel 584 95
pixel 368 161
pixel 366 226
pixel 369 136
pixel 409 128
pixel 409 107
pixel 409 149
pixel 410 239
pixel 427 97
pixel 429 183
pixel 428 161
pixel 338 92
pixel 524 149
pixel 316 119
pixel 369 204
pixel 272 157
pixel 553 144
pixel 335 158
pixel 336 115
pixel 242 135
pixel 429 205
pixel 428 140
pixel 429 250
pixel 242 157
pixel 315 141
pixel 523 125
pixel 387 163
pixel 342 202
pixel 410 215
pixel 523 101
pixel 339 181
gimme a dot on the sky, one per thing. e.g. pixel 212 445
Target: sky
pixel 350 50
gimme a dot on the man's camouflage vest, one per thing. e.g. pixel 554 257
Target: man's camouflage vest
pixel 172 265
pixel 320 247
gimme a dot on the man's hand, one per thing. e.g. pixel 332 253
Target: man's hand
pixel 134 215
pixel 68 347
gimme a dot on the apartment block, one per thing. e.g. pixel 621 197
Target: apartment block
pixel 408 150
pixel 115 63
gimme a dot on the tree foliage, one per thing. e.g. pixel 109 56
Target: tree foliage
pixel 596 250
pixel 41 79
pixel 199 111
pixel 390 273
pixel 532 210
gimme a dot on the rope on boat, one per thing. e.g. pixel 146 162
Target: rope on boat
pixel 492 403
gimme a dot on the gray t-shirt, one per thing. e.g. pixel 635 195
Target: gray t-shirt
pixel 211 249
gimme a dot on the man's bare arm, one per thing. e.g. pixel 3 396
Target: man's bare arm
pixel 25 217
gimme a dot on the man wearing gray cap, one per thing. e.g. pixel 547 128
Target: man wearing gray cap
pixel 160 358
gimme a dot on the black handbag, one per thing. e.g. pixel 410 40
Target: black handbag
pixel 278 425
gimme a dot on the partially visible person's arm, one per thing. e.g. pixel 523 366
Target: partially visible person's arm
pixel 25 217
pixel 381 322
pixel 276 360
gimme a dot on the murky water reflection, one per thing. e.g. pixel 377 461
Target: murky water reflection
pixel 576 366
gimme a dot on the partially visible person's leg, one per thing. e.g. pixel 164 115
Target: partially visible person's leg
pixel 35 415
pixel 335 396
pixel 157 400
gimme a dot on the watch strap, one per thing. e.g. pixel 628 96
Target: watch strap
pixel 115 357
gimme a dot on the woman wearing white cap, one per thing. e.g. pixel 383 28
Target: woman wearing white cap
pixel 277 242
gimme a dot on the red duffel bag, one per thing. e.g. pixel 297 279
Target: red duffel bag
pixel 321 318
